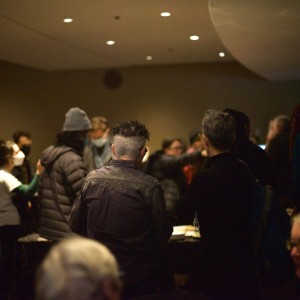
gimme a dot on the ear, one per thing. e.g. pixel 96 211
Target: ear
pixel 109 291
pixel 205 140
pixel 144 151
pixel 113 150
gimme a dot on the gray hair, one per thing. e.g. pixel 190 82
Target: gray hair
pixel 283 123
pixel 76 269
pixel 219 128
pixel 128 146
pixel 129 137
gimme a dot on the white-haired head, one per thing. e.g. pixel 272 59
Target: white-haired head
pixel 78 269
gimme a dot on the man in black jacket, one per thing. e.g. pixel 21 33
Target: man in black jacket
pixel 124 208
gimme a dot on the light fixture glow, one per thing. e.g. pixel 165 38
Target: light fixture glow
pixel 221 54
pixel 149 57
pixel 194 37
pixel 110 43
pixel 68 20
pixel 165 14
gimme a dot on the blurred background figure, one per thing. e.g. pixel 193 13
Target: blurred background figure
pixel 25 173
pixel 64 175
pixel 295 157
pixel 97 152
pixel 244 149
pixel 277 149
pixel 166 165
pixel 196 144
pixel 294 245
pixel 78 269
pixel 12 194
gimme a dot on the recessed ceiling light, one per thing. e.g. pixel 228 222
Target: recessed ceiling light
pixel 194 37
pixel 221 54
pixel 110 43
pixel 165 14
pixel 68 20
pixel 149 57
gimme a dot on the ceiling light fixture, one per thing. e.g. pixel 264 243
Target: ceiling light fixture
pixel 165 14
pixel 68 20
pixel 149 57
pixel 110 43
pixel 221 54
pixel 194 37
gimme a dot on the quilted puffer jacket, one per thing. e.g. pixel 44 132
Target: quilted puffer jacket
pixel 59 185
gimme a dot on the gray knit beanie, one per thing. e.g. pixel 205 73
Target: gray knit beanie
pixel 76 120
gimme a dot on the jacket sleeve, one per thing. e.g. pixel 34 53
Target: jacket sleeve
pixel 75 173
pixel 173 162
pixel 162 221
pixel 78 216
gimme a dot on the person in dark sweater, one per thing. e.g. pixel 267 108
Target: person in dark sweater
pixel 221 194
pixel 278 151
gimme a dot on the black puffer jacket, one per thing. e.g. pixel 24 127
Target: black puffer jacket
pixel 59 185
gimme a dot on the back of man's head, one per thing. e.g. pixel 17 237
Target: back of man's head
pixel 129 137
pixel 219 128
pixel 78 269
pixel 242 123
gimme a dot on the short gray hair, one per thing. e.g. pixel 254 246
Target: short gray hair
pixel 128 146
pixel 219 128
pixel 76 269
pixel 129 137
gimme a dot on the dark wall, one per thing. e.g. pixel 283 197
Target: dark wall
pixel 170 100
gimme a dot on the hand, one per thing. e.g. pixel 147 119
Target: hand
pixel 106 133
pixel 39 167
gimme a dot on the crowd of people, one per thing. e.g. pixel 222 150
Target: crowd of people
pixel 95 182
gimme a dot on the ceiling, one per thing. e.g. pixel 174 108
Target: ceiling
pixel 263 35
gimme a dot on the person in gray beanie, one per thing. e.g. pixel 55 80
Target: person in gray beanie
pixel 63 176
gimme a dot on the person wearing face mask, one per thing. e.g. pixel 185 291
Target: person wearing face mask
pixel 11 189
pixel 97 152
pixel 64 175
pixel 24 172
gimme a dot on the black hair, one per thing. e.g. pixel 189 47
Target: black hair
pixel 73 139
pixel 166 143
pixel 194 136
pixel 131 129
pixel 16 135
pixel 242 123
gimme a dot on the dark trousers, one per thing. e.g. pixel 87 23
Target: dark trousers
pixel 148 286
pixel 9 264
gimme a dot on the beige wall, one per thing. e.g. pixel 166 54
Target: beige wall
pixel 170 100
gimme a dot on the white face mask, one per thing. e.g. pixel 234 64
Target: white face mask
pixel 19 156
pixel 99 142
